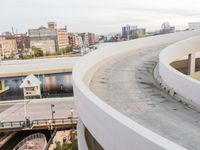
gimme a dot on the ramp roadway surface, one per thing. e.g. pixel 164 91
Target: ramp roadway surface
pixel 127 84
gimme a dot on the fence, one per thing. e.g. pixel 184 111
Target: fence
pixel 30 124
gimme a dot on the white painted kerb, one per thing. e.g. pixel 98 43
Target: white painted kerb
pixel 110 128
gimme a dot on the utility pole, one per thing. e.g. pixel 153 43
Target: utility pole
pixel 27 119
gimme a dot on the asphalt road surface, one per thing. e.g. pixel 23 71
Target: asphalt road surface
pixel 38 109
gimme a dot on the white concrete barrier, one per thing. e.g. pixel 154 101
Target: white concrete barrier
pixel 183 85
pixel 110 128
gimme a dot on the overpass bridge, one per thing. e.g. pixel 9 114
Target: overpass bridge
pixel 49 124
pixel 17 68
pixel 44 66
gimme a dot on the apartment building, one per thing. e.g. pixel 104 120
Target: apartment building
pixel 75 40
pixel 194 26
pixel 62 38
pixel 91 38
pixel 8 46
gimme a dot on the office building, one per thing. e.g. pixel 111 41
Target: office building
pixel 53 36
pixel 194 25
pixel 131 32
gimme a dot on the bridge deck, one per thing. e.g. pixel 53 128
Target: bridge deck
pixel 15 68
pixel 36 109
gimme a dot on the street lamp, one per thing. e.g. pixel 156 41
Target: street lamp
pixel 52 112
pixel 50 127
pixel 72 115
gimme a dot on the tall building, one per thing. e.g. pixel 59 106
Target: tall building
pixel 194 25
pixel 62 38
pixel 127 31
pixel 75 40
pixel 85 39
pixel 130 32
pixel 166 28
pixel 54 38
pixel 8 46
pixel 91 37
pixel 23 41
pixel 80 41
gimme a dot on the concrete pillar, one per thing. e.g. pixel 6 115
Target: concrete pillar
pixel 191 63
pixel 2 85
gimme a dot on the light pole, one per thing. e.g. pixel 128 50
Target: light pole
pixel 25 112
pixel 50 127
pixel 72 115
pixel 52 112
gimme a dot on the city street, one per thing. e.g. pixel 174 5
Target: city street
pixel 37 109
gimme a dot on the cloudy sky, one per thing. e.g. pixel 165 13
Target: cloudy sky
pixel 99 16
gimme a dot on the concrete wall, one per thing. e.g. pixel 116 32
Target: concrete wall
pixel 182 84
pixel 110 128
pixel 45 45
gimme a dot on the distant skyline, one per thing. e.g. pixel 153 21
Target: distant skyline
pixel 99 16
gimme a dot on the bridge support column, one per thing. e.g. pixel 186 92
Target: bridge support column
pixel 191 63
pixel 3 87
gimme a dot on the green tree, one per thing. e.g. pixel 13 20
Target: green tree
pixel 26 56
pixel 135 35
pixel 48 53
pixel 37 51
pixel 58 146
pixel 66 50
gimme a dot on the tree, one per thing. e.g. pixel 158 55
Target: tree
pixel 66 50
pixel 135 35
pixel 58 146
pixel 37 51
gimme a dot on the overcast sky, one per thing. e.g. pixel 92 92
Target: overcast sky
pixel 99 16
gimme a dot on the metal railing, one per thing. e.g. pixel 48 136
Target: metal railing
pixel 30 124
pixel 51 139
pixel 12 124
pixel 24 142
pixel 55 121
